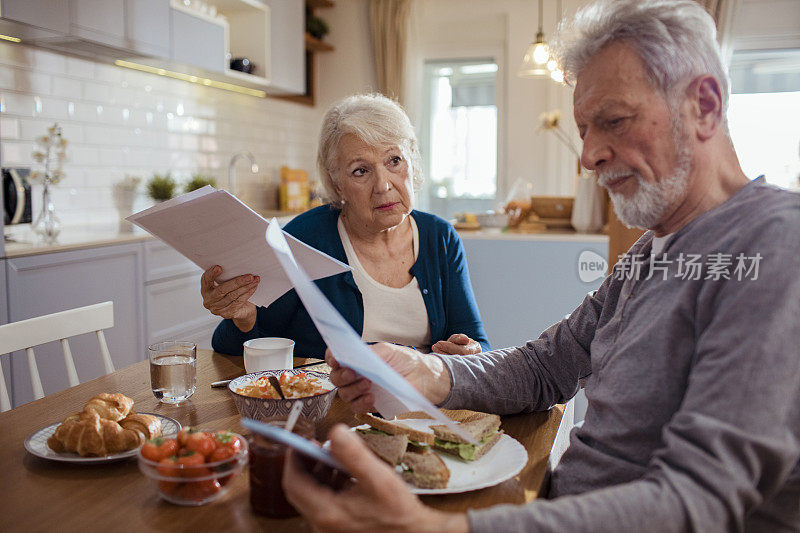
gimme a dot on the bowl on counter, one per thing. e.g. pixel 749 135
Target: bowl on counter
pixel 315 407
pixel 193 484
pixel 491 219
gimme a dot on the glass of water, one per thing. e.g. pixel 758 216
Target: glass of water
pixel 173 370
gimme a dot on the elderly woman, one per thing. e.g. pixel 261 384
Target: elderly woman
pixel 409 282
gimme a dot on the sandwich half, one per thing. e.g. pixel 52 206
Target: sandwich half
pixel 390 448
pixel 393 427
pixel 483 426
pixel 425 470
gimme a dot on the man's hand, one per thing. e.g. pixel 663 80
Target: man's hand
pixel 425 372
pixel 457 344
pixel 378 501
pixel 230 298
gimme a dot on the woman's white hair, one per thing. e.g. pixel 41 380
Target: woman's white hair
pixel 675 39
pixel 376 120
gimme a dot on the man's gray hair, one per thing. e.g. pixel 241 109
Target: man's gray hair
pixel 376 120
pixel 675 39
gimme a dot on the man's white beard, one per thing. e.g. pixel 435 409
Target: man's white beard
pixel 651 202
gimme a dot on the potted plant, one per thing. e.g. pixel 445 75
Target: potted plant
pixel 161 187
pixel 124 193
pixel 199 181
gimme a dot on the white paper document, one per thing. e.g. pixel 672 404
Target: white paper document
pixel 212 227
pixel 393 394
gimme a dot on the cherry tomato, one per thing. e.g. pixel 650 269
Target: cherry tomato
pixel 226 439
pixel 169 487
pixel 221 454
pixel 183 435
pixel 201 442
pixel 158 449
pixel 199 490
pixel 191 460
pixel 168 467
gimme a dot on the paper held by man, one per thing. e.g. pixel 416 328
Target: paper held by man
pixel 212 227
pixel 393 394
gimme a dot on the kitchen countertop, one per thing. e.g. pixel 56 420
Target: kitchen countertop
pixel 550 236
pixel 25 242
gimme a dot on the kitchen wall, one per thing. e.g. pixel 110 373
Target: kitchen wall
pixel 119 121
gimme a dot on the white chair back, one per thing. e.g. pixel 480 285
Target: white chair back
pixel 26 334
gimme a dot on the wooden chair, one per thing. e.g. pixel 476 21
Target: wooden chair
pixel 26 334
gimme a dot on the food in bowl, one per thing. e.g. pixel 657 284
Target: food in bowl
pixel 266 405
pixel 194 467
pixel 293 386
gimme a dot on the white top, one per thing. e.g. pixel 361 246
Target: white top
pixel 390 314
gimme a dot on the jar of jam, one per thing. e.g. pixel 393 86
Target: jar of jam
pixel 266 471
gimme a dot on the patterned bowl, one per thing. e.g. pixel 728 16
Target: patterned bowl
pixel 314 407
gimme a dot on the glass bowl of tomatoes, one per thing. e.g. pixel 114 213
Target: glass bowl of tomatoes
pixel 193 467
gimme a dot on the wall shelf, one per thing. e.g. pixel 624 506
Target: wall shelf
pixel 315 45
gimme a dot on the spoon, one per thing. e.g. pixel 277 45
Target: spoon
pixel 294 414
pixel 277 384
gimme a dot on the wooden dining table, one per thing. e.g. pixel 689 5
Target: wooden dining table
pixel 42 495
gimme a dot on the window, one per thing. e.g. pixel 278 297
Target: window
pixel 763 114
pixel 459 137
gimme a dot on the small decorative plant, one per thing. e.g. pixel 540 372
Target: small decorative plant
pixel 51 152
pixel 199 181
pixel 161 187
pixel 551 121
pixel 316 27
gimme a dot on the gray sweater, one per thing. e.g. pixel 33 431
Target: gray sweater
pixel 693 385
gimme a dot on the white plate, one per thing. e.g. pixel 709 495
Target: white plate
pixel 505 460
pixel 36 444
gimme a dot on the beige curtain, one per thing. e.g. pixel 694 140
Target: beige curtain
pixel 388 20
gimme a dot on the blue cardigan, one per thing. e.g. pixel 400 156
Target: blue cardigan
pixel 440 269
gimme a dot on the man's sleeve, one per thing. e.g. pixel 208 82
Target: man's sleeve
pixel 534 377
pixel 736 437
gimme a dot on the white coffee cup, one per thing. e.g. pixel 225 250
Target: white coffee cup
pixel 268 353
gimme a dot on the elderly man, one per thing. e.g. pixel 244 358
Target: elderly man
pixel 690 348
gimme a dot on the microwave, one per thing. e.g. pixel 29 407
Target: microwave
pixel 16 196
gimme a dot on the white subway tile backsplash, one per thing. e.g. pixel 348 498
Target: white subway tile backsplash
pixel 119 121
pixel 96 92
pixel 16 153
pixel 66 88
pixel 9 128
pixel 80 68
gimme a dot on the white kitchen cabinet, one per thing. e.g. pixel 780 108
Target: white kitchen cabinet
pixel 5 361
pixel 50 15
pixel 98 21
pixel 147 27
pixel 198 41
pixel 47 283
pixel 287 45
pixel 174 305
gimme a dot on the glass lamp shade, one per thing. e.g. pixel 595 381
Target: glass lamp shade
pixel 534 62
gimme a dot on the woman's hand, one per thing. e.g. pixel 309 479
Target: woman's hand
pixel 457 344
pixel 425 372
pixel 229 299
pixel 378 501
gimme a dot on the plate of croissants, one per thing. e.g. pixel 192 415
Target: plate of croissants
pixel 107 429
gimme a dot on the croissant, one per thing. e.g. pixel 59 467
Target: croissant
pixel 87 434
pixel 112 407
pixel 147 425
